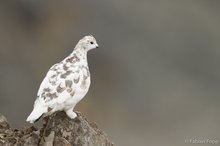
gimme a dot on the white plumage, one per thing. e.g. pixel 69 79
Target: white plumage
pixel 65 84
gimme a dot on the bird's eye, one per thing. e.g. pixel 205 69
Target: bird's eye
pixel 91 43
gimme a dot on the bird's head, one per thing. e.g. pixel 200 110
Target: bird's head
pixel 87 43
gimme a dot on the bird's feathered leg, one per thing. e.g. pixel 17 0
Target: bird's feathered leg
pixel 71 114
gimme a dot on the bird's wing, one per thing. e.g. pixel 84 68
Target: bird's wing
pixel 49 80
pixel 58 84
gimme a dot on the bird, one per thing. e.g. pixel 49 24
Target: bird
pixel 65 84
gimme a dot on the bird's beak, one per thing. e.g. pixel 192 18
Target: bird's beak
pixel 97 46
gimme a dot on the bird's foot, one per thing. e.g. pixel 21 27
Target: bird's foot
pixel 71 114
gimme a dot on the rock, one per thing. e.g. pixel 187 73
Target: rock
pixel 3 122
pixel 58 130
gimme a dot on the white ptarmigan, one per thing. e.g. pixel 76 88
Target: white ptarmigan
pixel 66 83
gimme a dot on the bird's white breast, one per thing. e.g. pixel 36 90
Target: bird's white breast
pixel 80 89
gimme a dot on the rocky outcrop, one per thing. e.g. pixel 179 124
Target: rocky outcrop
pixel 57 130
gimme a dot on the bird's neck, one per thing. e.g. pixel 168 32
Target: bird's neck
pixel 81 54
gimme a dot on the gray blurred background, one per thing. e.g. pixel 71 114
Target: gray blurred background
pixel 155 77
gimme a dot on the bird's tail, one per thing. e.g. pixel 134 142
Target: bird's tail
pixel 37 112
